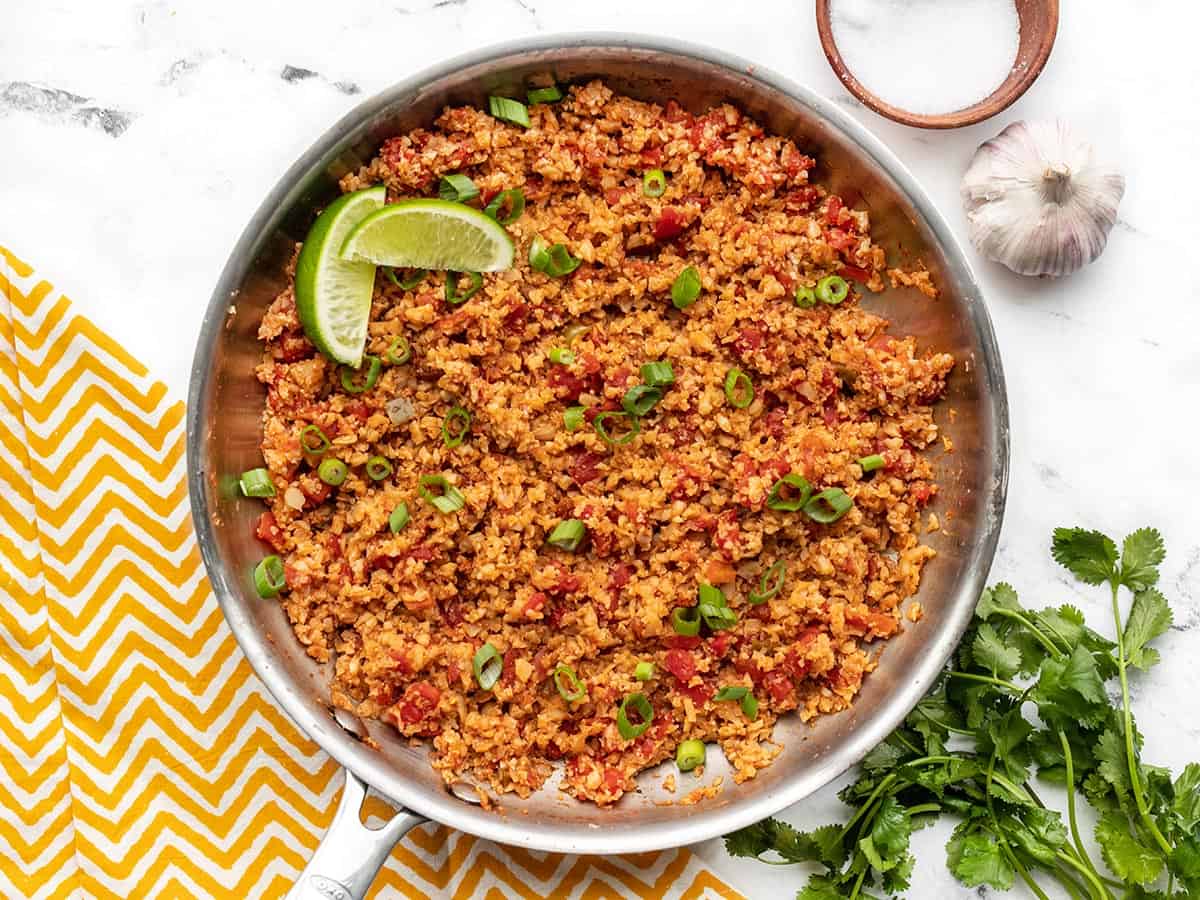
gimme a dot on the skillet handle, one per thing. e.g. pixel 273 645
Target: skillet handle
pixel 350 854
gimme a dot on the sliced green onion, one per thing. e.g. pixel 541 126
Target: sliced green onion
pixel 562 356
pixel 543 95
pixel 645 712
pixel 686 620
pixel 631 421
pixel 561 262
pixel 455 426
pixel 399 517
pixel 578 330
pixel 640 399
pixel 777 499
pixel 567 535
pixel 508 110
pixel 457 187
pixel 870 463
pixel 828 506
pixel 731 692
pixel 257 483
pixel 554 261
pixel 539 254
pixel 685 288
pixel 832 289
pixel 453 297
pixel 570 688
pixel 373 367
pixel 378 468
pixel 714 608
pixel 573 417
pixel 689 754
pixel 750 707
pixel 644 671
pixel 515 198
pixel 268 577
pixel 805 298
pixel 770 584
pixel 415 277
pixel 654 183
pixel 739 389
pixel 449 500
pixel 399 351
pixel 313 440
pixel 487 665
pixel 332 471
pixel 658 374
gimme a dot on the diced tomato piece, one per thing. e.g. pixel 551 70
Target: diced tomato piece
pixel 293 348
pixel 669 225
pixel 683 641
pixel 614 781
pixel 744 665
pixel 922 492
pixel 294 578
pixel 700 693
pixel 854 273
pixel 833 209
pixel 315 491
pixel 652 157
pixel 419 701
pixel 268 530
pixel 778 685
pixel 516 315
pixel 794 665
pixel 585 467
pixel 681 664
pixel 453 610
pixel 719 643
pixel 535 602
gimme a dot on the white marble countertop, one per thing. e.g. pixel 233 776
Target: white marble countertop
pixel 138 136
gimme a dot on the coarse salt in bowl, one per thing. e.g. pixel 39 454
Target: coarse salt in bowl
pixel 937 64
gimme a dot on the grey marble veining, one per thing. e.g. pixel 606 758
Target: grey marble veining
pixel 136 139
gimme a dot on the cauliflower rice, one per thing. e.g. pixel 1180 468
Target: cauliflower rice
pixel 682 504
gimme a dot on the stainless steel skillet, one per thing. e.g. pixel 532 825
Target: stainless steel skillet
pixel 223 433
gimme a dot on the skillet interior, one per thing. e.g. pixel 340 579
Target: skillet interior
pixel 225 404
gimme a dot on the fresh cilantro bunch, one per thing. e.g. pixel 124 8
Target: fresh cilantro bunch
pixel 1024 694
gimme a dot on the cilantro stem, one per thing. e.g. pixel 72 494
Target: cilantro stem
pixel 942 725
pixel 1004 845
pixel 1095 888
pixel 1130 754
pixel 1038 634
pixel 858 883
pixel 1072 887
pixel 986 679
pixel 1079 846
pixel 1021 870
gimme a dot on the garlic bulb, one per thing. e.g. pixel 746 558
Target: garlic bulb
pixel 1038 201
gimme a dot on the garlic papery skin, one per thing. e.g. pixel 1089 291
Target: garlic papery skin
pixel 1038 200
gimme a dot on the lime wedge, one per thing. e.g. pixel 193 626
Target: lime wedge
pixel 431 234
pixel 333 296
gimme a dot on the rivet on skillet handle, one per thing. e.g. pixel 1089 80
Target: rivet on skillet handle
pixel 350 854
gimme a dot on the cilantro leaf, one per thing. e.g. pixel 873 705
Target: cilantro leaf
pixel 991 652
pixel 1187 797
pixel 821 888
pixel 997 597
pixel 896 880
pixel 1071 691
pixel 976 859
pixel 1149 617
pixel 1141 554
pixel 882 758
pixel 1185 862
pixel 1089 555
pixel 822 845
pixel 1125 855
pixel 1113 767
pixel 891 832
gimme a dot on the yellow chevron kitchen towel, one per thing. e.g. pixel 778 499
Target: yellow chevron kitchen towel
pixel 139 755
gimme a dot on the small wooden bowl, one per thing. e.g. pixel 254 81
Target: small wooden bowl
pixel 1039 25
